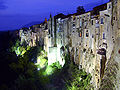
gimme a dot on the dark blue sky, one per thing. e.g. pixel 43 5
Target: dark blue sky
pixel 16 13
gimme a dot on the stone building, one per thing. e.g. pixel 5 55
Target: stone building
pixel 34 35
pixel 90 37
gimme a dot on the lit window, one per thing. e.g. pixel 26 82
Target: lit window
pixel 97 21
pixel 80 34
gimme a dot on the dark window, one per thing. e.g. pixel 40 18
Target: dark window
pixel 102 21
pixel 109 6
pixel 87 34
pixel 98 80
pixel 92 22
pixel 49 31
pixel 103 35
pixel 84 50
pixel 92 36
pixel 113 18
pixel 73 25
pixel 76 52
pixel 51 34
pixel 80 66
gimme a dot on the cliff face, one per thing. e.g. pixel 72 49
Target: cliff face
pixel 111 79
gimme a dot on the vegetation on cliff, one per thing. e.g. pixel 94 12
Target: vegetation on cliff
pixel 30 69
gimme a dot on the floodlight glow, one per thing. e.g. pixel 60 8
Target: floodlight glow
pixel 54 55
pixel 18 51
pixel 41 62
pixel 38 69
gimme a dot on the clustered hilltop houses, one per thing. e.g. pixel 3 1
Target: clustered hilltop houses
pixel 90 38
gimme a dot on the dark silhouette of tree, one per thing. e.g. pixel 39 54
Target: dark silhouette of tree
pixel 80 10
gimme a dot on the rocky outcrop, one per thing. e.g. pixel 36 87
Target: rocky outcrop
pixel 111 79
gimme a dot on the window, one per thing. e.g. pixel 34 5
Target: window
pixel 113 18
pixel 76 52
pixel 92 36
pixel 103 35
pixel 97 21
pixel 80 22
pixel 58 29
pixel 80 66
pixel 49 31
pixel 97 24
pixel 80 34
pixel 92 22
pixel 102 21
pixel 51 34
pixel 73 25
pixel 87 34
pixel 109 6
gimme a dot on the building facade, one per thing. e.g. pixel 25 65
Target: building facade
pixel 90 37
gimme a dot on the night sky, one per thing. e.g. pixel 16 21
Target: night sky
pixel 14 14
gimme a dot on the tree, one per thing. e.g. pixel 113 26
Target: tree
pixel 80 10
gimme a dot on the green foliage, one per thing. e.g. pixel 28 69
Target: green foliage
pixel 19 49
pixel 79 79
pixel 28 76
pixel 75 79
pixel 23 83
pixel 56 65
pixel 48 69
pixel 41 62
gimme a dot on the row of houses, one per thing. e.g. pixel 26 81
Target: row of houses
pixel 89 37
